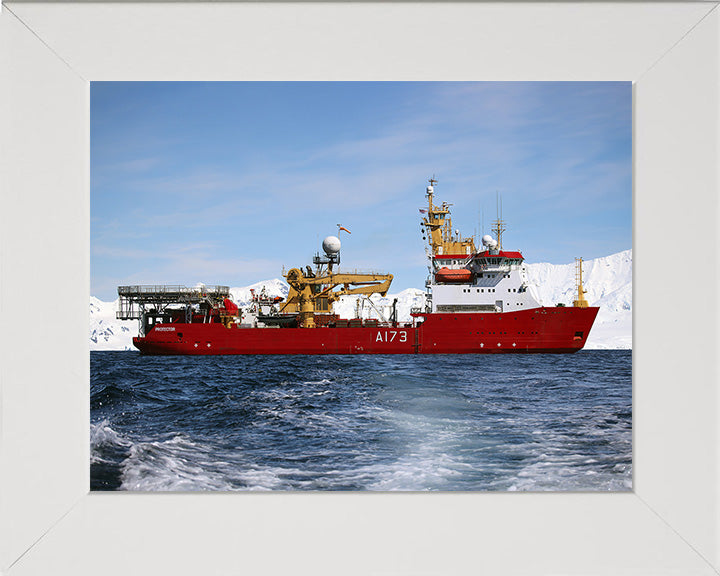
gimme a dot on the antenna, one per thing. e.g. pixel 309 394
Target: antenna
pixel 480 220
pixel 499 227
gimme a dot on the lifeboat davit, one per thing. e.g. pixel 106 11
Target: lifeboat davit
pixel 453 275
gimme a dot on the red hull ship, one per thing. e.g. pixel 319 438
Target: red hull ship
pixel 478 302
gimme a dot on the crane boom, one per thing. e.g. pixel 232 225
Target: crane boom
pixel 309 295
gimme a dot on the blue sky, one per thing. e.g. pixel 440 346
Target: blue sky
pixel 227 182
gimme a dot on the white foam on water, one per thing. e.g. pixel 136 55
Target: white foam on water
pixel 177 464
pixel 426 455
pixel 314 382
pixel 102 435
pixel 553 475
pixel 417 471
pixel 559 460
pixel 180 464
pixel 426 460
pixel 258 478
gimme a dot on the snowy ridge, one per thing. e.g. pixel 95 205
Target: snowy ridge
pixel 608 282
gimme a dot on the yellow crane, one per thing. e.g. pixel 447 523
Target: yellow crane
pixel 312 294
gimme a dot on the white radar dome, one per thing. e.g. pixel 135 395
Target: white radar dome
pixel 429 189
pixel 331 245
pixel 487 240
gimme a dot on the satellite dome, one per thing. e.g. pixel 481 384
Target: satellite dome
pixel 487 240
pixel 331 245
pixel 429 189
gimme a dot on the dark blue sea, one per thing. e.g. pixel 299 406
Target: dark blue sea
pixel 469 423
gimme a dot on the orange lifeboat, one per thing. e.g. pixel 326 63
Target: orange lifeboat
pixel 453 275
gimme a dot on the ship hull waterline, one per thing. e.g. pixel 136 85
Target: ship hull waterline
pixel 558 330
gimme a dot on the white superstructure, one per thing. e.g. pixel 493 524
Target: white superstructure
pixel 496 281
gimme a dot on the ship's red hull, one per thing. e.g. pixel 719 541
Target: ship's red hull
pixel 539 330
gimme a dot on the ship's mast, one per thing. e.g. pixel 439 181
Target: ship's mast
pixel 499 226
pixel 438 225
pixel 430 190
pixel 581 302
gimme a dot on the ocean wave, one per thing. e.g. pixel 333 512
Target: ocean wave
pixel 105 443
pixel 180 464
pixel 176 464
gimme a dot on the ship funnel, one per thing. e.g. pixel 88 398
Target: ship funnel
pixel 331 245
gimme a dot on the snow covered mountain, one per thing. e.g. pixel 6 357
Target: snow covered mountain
pixel 106 332
pixel 608 282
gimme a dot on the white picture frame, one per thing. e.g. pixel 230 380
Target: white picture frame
pixel 49 521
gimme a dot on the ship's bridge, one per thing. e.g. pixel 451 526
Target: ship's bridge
pixel 498 258
pixel 451 260
pixel 489 259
